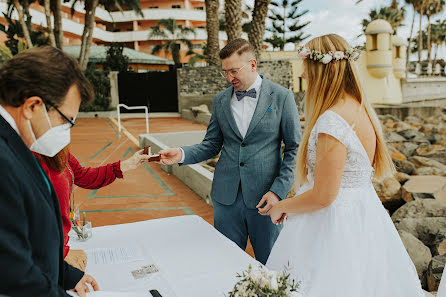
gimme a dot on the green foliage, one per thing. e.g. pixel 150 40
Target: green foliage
pixel 263 283
pixel 392 14
pixel 5 54
pixel 101 84
pixel 174 36
pixel 116 60
pixel 14 33
pixel 286 25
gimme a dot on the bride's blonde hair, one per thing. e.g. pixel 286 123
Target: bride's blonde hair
pixel 327 84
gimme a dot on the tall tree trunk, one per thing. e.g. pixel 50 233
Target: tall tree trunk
pixel 284 28
pixel 409 43
pixel 22 22
pixel 436 52
pixel 212 46
pixel 429 45
pixel 49 24
pixel 87 35
pixel 27 14
pixel 58 30
pixel 420 34
pixel 257 31
pixel 233 15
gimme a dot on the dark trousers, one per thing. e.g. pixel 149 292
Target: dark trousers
pixel 237 222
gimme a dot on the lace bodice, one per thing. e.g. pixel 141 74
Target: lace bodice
pixel 357 171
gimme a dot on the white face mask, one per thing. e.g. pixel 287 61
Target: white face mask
pixel 53 140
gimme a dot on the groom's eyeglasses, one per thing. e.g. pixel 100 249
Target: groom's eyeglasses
pixel 233 72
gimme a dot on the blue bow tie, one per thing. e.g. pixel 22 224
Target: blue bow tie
pixel 241 94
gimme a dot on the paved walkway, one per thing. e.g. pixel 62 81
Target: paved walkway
pixel 145 193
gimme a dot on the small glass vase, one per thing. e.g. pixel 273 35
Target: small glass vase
pixel 83 233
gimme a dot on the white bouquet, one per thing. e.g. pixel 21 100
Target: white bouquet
pixel 264 283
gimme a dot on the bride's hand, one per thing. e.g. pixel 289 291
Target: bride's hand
pixel 277 215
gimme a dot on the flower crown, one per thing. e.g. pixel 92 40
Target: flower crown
pixel 350 54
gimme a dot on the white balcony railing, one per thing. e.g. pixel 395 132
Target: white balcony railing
pixel 75 28
pixel 149 14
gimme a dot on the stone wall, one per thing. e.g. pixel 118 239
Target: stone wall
pixel 420 89
pixel 198 85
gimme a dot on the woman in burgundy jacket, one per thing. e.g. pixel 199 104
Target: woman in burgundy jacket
pixel 65 171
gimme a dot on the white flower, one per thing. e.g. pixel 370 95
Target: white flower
pixel 304 52
pixel 354 55
pixel 338 55
pixel 255 275
pixel 327 59
pixel 264 282
pixel 350 50
pixel 273 284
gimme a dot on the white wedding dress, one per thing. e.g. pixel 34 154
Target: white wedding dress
pixel 350 248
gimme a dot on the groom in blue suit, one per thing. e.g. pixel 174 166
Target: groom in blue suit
pixel 249 121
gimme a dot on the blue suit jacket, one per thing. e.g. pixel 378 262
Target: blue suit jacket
pixel 31 238
pixel 256 160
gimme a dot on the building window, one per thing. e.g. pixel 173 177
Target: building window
pixel 199 8
pixel 153 7
pixel 374 42
pixel 177 6
pixel 397 52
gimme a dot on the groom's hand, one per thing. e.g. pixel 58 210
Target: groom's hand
pixel 269 199
pixel 170 156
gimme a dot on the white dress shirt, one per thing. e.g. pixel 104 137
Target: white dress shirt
pixel 9 119
pixel 242 110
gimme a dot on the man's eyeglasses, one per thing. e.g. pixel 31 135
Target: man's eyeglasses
pixel 233 72
pixel 71 122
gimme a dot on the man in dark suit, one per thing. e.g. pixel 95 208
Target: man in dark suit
pixel 40 93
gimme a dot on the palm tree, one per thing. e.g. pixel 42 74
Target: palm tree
pixel 438 31
pixel 421 10
pixel 212 46
pixel 174 36
pixel 233 16
pixel 56 8
pixel 257 28
pixel 392 14
pixel 415 4
pixel 49 24
pixel 25 28
pixel 89 21
pixel 433 7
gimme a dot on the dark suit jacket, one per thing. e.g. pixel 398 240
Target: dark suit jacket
pixel 31 239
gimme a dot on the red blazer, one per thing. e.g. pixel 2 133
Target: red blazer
pixel 84 177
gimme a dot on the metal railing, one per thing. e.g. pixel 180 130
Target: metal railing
pixel 146 110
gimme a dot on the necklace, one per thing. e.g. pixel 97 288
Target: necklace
pixel 70 189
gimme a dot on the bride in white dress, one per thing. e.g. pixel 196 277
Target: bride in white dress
pixel 338 239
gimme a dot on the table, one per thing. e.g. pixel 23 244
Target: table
pixel 194 259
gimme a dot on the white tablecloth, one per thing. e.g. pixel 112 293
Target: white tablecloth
pixel 194 259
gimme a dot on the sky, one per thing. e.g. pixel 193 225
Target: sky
pixel 344 17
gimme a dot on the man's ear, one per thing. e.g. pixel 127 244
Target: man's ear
pixel 31 106
pixel 254 65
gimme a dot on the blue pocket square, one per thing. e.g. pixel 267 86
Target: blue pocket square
pixel 269 109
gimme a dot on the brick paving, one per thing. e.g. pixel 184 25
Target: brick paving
pixel 145 193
